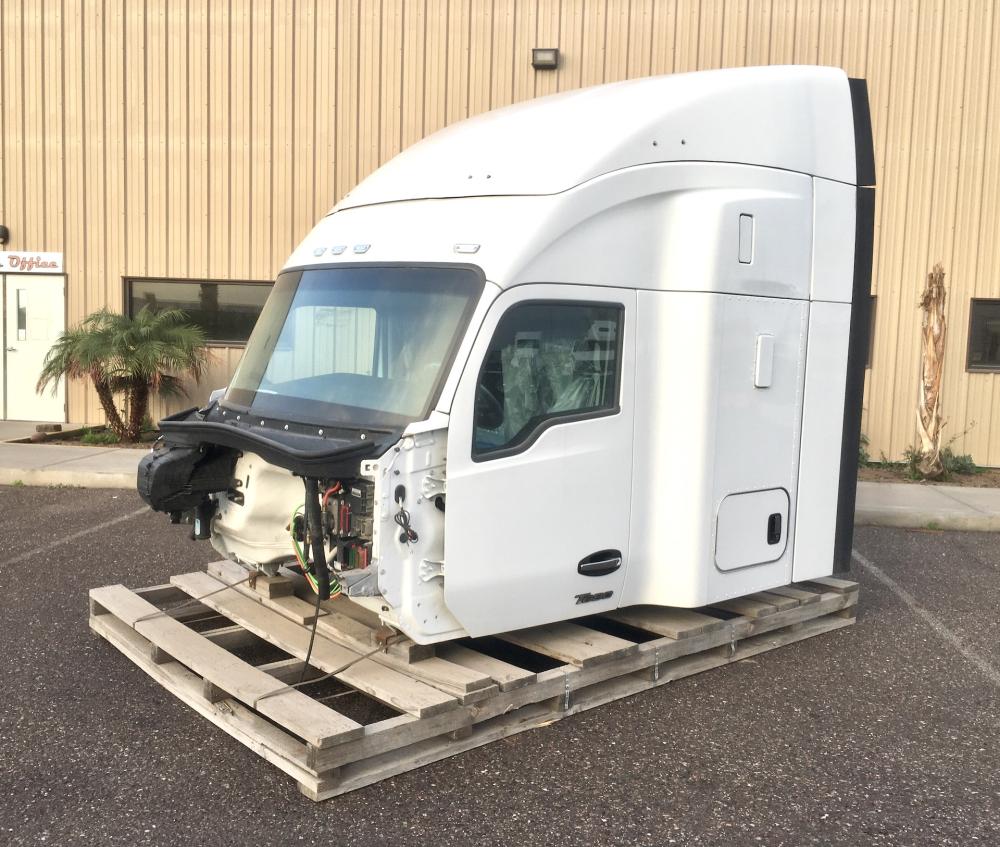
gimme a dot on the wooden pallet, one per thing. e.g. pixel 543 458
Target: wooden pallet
pixel 399 706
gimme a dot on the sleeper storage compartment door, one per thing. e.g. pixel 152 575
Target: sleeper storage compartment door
pixel 751 529
pixel 540 460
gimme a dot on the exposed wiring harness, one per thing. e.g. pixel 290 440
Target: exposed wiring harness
pixel 333 489
pixel 300 555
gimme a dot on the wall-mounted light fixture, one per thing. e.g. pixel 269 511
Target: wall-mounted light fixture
pixel 545 58
pixel 4 234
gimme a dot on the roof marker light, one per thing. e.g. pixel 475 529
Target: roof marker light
pixel 361 248
pixel 466 248
pixel 338 249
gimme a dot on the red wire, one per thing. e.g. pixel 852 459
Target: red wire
pixel 332 490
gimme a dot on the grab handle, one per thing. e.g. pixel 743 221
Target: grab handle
pixel 600 563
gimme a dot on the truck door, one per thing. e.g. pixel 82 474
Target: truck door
pixel 540 459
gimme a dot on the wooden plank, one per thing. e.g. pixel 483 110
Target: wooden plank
pixel 673 623
pixel 832 583
pixel 317 724
pixel 794 593
pixel 349 632
pixel 341 616
pixel 507 676
pixel 361 773
pixel 746 606
pixel 663 653
pixel 571 643
pixel 264 738
pixel 390 734
pixel 390 687
pixel 298 611
pixel 273 586
pixel 779 601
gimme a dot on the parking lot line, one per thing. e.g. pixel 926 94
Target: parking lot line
pixel 68 538
pixel 988 669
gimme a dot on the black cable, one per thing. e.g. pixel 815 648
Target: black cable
pixel 314 520
pixel 408 535
pixel 312 640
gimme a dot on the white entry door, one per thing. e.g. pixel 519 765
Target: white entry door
pixel 540 459
pixel 35 315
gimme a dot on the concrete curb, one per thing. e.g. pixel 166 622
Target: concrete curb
pixel 66 478
pixel 926 520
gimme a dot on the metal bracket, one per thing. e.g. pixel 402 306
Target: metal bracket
pixel 566 693
pixel 431 486
pixel 656 664
pixel 429 569
pixel 383 635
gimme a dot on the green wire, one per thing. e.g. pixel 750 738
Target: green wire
pixel 335 587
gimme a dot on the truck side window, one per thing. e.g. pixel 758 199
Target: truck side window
pixel 548 362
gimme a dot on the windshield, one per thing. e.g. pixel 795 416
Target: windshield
pixel 361 346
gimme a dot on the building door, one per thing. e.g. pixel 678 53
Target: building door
pixel 34 316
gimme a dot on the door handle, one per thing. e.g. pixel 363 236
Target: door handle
pixel 600 563
pixel 11 349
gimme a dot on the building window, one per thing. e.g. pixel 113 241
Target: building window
pixel 226 311
pixel 984 336
pixel 548 363
pixel 871 330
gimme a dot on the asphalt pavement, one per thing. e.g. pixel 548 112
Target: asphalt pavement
pixel 887 732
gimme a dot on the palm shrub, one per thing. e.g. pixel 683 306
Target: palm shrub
pixel 130 358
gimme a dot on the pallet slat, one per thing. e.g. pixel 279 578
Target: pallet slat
pixel 779 601
pixel 507 676
pixel 570 642
pixel 752 607
pixel 390 687
pixel 832 583
pixel 469 685
pixel 303 716
pixel 673 623
pixel 340 618
pixel 794 593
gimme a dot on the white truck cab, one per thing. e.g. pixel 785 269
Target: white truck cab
pixel 599 349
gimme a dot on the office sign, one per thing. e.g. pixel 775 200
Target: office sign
pixel 30 262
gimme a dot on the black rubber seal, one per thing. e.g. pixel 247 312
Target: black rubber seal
pixel 857 354
pixel 864 146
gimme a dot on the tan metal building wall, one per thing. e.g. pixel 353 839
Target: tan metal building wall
pixel 203 139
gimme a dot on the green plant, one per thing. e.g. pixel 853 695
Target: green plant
pixel 960 464
pixel 92 436
pixel 17 483
pixel 863 457
pixel 911 462
pixel 884 461
pixel 129 358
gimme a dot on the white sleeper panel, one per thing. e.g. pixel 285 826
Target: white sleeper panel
pixel 822 419
pixel 834 211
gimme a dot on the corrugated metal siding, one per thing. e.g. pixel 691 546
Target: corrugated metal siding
pixel 203 139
